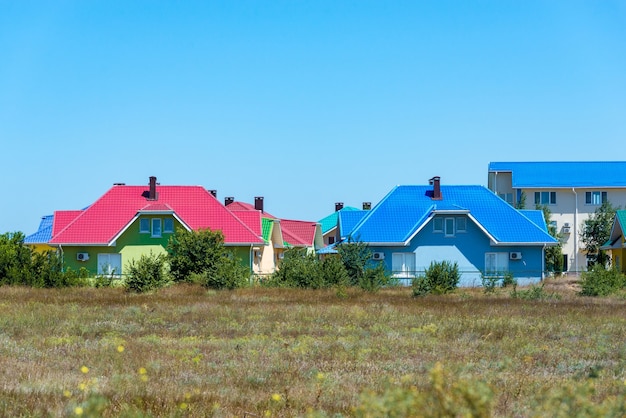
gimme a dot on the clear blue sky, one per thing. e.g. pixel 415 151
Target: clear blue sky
pixel 303 102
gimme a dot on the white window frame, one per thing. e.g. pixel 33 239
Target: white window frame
pixel 143 228
pixel 595 198
pixel 545 198
pixel 438 225
pixel 110 264
pixel 168 225
pixel 449 226
pixel 496 264
pixel 461 224
pixel 403 265
pixel 157 227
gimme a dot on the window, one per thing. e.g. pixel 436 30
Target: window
pixel 595 198
pixel 144 226
pixel 168 225
pixel 110 264
pixel 496 263
pixel 156 227
pixel 461 224
pixel 449 227
pixel 403 264
pixel 438 225
pixel 507 197
pixel 331 240
pixel 545 198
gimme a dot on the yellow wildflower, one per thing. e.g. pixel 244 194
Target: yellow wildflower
pixel 84 369
pixel 120 348
pixel 78 410
pixel 276 397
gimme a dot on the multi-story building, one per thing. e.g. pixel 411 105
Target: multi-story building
pixel 571 190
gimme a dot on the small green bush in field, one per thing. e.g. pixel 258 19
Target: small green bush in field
pixel 440 278
pixel 146 274
pixel 601 282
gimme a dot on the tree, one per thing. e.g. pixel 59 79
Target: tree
pixel 355 256
pixel 521 203
pixel 201 255
pixel 553 254
pixel 596 231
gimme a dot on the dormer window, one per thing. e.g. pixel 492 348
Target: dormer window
pixel 156 227
pixel 144 226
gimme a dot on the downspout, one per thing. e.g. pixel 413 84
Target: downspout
pixel 575 230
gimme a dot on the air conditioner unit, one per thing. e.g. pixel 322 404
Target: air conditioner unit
pixel 566 225
pixel 82 256
pixel 566 229
pixel 281 256
pixel 515 255
pixel 257 253
pixel 378 256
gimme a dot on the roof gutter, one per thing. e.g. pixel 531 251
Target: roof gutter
pixel 575 229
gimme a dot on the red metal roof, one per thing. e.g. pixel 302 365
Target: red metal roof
pixel 243 206
pixel 298 233
pixel 194 205
pixel 62 218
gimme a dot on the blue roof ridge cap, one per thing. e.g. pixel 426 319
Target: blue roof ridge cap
pixel 420 223
pixel 371 212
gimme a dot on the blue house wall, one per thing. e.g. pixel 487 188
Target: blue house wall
pixel 468 250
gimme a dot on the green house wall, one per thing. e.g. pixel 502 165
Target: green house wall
pixel 131 245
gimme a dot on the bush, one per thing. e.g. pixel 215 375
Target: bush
pixel 298 268
pixel 440 278
pixel 601 282
pixel 355 256
pixel 375 278
pixel 146 274
pixel 534 293
pixel 229 274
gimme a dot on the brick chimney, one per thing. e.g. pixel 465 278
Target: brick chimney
pixel 338 206
pixel 152 194
pixel 258 203
pixel 228 200
pixel 367 205
pixel 436 183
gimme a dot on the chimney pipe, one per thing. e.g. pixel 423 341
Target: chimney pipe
pixel 213 192
pixel 258 203
pixel 338 206
pixel 436 183
pixel 367 205
pixel 228 200
pixel 152 194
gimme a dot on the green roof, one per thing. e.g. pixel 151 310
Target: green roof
pixel 266 229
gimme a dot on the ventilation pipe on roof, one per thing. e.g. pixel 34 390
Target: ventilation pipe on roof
pixel 436 183
pixel 228 200
pixel 367 205
pixel 213 193
pixel 258 203
pixel 338 206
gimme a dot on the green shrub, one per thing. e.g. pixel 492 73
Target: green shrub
pixel 299 268
pixel 355 256
pixel 440 278
pixel 146 274
pixel 375 278
pixel 601 282
pixel 228 274
pixel 534 293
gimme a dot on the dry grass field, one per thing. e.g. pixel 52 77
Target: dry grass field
pixel 186 351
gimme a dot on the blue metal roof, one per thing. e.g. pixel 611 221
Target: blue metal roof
pixel 536 217
pixel 329 222
pixel 406 208
pixel 560 174
pixel 348 220
pixel 43 234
